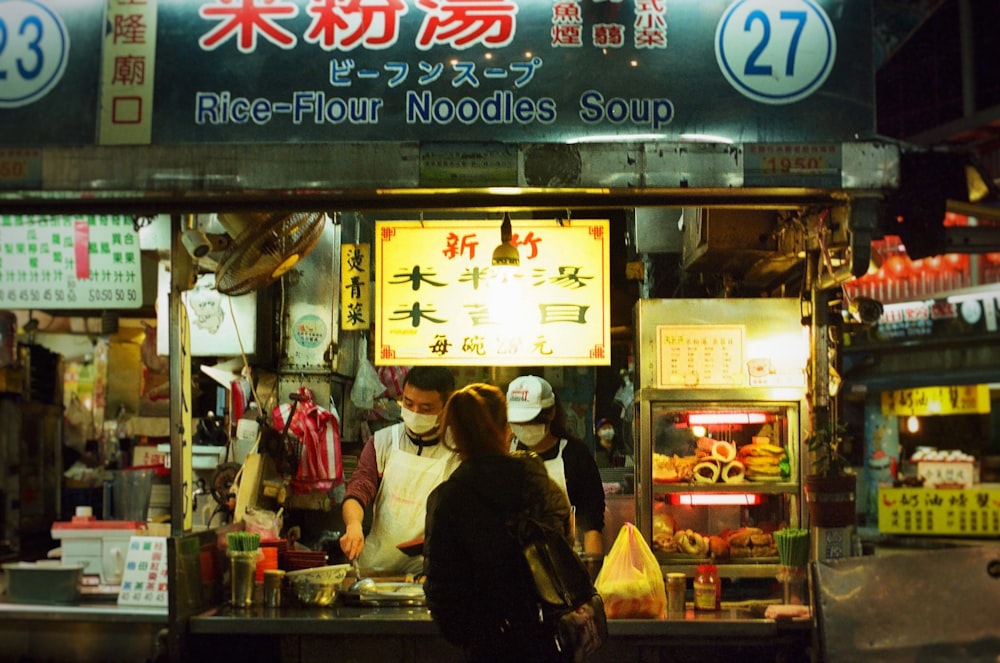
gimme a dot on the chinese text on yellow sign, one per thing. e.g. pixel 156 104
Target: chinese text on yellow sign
pixel 441 301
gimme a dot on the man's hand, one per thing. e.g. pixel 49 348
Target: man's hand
pixel 353 541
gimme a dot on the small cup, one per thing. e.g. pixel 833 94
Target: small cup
pixel 676 589
pixel 794 584
pixel 273 581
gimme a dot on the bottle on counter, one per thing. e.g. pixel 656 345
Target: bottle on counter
pixel 707 588
pixel 247 432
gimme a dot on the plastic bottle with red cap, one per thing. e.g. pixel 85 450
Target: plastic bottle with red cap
pixel 707 588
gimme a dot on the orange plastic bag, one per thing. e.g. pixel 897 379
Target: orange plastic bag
pixel 630 581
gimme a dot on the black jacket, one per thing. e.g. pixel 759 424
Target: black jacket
pixel 479 590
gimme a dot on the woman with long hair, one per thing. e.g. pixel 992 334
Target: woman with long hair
pixel 479 589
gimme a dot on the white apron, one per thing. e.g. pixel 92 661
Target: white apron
pixel 400 510
pixel 557 468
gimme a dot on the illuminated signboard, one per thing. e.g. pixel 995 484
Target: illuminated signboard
pixel 441 301
pixel 971 511
pixel 962 399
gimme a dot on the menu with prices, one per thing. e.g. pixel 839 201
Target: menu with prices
pixel 69 262
pixel 700 357
pixel 971 511
pixel 144 582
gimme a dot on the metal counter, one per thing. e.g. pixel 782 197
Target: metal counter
pixel 304 635
pixel 339 619
pixel 84 633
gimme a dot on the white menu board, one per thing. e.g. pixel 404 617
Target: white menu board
pixel 69 262
pixel 700 357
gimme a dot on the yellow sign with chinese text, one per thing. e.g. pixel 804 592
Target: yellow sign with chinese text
pixel 925 401
pixel 441 301
pixel 973 511
pixel 356 286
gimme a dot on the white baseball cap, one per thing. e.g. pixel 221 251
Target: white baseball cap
pixel 526 397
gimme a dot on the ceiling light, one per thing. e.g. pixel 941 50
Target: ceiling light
pixel 506 254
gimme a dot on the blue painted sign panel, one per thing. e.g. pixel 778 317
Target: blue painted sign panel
pixel 49 71
pixel 511 71
pixel 249 71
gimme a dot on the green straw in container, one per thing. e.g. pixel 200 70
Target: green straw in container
pixel 242 541
pixel 793 546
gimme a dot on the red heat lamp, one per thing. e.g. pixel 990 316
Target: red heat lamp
pixel 716 418
pixel 715 499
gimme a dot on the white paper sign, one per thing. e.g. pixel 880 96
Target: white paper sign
pixel 69 262
pixel 144 581
pixel 219 323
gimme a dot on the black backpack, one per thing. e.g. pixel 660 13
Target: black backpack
pixel 567 600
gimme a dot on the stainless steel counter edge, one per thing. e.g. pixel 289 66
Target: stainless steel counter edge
pixel 92 612
pixel 341 620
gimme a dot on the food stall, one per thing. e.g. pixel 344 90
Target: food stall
pixel 420 130
pixel 721 416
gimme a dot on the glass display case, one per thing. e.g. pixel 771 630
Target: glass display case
pixel 719 423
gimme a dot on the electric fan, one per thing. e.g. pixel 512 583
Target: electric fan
pixel 264 246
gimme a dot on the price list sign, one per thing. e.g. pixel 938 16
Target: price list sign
pixel 973 511
pixel 69 262
pixel 700 356
pixel 145 578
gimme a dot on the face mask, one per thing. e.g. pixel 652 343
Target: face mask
pixel 607 433
pixel 530 435
pixel 417 423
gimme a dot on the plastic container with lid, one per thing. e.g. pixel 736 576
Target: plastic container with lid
pixel 707 588
pixel 98 546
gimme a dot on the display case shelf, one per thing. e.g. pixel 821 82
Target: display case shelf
pixel 759 488
pixel 725 568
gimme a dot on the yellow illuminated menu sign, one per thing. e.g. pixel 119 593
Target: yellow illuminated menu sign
pixel 441 301
pixel 971 511
pixel 965 399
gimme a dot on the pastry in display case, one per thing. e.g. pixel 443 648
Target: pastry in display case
pixel 722 481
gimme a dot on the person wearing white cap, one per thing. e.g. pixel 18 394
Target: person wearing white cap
pixel 539 424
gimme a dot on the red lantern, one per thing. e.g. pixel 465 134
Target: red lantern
pixel 897 267
pixel 993 258
pixel 958 262
pixel 934 263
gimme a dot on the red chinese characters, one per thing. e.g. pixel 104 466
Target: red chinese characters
pixel 465 23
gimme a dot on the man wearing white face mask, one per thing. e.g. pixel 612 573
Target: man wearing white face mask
pixel 538 422
pixel 398 468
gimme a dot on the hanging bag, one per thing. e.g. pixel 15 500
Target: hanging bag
pixel 567 599
pixel 318 463
pixel 630 581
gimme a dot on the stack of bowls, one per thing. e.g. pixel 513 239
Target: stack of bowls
pixel 296 560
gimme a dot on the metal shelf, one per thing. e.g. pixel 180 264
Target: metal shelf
pixel 763 488
pixel 726 568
